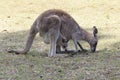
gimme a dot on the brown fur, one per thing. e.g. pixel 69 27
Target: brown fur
pixel 55 25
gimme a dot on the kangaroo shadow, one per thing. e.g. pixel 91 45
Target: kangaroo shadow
pixel 17 40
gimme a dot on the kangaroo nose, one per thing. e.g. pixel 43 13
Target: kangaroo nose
pixel 92 49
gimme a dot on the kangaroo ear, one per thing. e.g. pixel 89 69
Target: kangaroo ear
pixel 95 31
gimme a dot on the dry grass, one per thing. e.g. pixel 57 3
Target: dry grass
pixel 16 17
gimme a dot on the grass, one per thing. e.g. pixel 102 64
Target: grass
pixel 16 17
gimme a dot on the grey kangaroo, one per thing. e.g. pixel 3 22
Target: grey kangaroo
pixel 55 26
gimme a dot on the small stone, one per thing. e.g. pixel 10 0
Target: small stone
pixel 41 76
pixel 8 16
pixel 59 70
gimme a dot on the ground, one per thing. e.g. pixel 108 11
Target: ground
pixel 16 17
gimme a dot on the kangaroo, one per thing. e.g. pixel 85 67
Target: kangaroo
pixel 55 26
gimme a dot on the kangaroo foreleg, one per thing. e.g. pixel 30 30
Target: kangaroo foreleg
pixel 58 48
pixel 81 47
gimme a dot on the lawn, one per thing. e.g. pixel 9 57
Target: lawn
pixel 16 17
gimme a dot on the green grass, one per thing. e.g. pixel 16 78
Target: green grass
pixel 16 17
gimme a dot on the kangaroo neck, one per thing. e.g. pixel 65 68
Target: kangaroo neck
pixel 86 36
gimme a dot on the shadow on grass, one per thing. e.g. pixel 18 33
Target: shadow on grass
pixel 116 46
pixel 17 40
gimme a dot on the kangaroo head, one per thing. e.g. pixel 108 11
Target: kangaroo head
pixel 94 40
